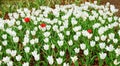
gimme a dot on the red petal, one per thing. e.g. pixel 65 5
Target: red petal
pixel 89 30
pixel 27 19
pixel 43 25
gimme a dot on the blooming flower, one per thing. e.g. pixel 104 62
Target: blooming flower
pixel 96 38
pixel 27 49
pixel 46 47
pixel 10 63
pixel 52 46
pixel 74 59
pixel 6 59
pixel 25 64
pixel 50 60
pixel 102 45
pixel 65 64
pixel 27 19
pixel 76 50
pixel 18 57
pixel 102 55
pixel 46 34
pixel 59 60
pixel 86 52
pixel 37 57
pixel 60 43
pixel 82 46
pixel 4 42
pixel 103 37
pixel 13 53
pixel 43 25
pixel 92 43
pixel 46 40
pixel 70 42
pixel 116 62
pixel 67 33
pixel 0 48
pixel 62 53
pixel 117 51
pixel 111 35
pixel 4 36
pixel 89 31
pixel 110 47
pixel 15 39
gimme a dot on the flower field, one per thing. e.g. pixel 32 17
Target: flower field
pixel 67 35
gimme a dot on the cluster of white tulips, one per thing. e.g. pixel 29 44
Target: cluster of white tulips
pixel 63 36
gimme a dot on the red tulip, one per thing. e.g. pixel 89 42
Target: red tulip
pixel 89 31
pixel 43 25
pixel 27 19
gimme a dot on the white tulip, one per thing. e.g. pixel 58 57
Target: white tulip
pixel 37 57
pixel 27 49
pixel 116 62
pixel 33 32
pixel 59 60
pixel 75 37
pixel 10 63
pixel 86 52
pixel 103 37
pixel 110 47
pixel 0 48
pixel 119 32
pixel 70 42
pixel 117 51
pixel 8 51
pixel 25 64
pixel 50 60
pixel 0 62
pixel 46 40
pixel 16 39
pixel 52 46
pixel 96 38
pixel 115 40
pixel 46 34
pixel 20 27
pixel 111 35
pixel 61 36
pixel 32 41
pixel 78 33
pixel 46 47
pixel 18 22
pixel 4 36
pixel 67 33
pixel 65 64
pixel 74 59
pixel 83 46
pixel 6 59
pixel 36 40
pixel 13 53
pixel 4 42
pixel 92 43
pixel 74 21
pixel 18 57
pixel 102 55
pixel 62 53
pixel 77 50
pixel 96 25
pixel 102 45
pixel 77 28
pixel 60 43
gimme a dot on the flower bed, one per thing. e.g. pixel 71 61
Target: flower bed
pixel 68 35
